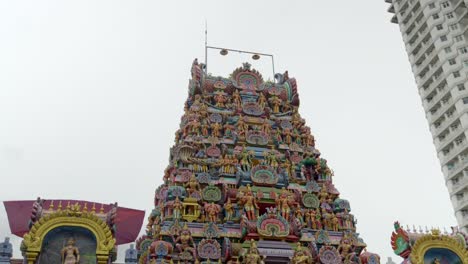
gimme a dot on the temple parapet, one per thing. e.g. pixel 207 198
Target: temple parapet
pixel 418 245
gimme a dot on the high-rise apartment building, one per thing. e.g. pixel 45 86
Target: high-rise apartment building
pixel 435 33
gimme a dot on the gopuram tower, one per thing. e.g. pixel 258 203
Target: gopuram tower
pixel 245 183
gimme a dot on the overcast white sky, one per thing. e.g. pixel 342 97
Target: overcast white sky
pixel 91 94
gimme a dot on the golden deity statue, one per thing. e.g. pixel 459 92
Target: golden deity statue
pixel 70 253
pixel 300 257
pixel 253 257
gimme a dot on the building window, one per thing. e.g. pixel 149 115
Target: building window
pixel 458 38
pixel 453 26
pixel 435 16
pixel 445 4
pixel 463 50
pixel 443 38
pixel 439 27
pixel 449 15
pixel 448 49
pixel 461 87
pixel 431 5
pixel 456 74
pixel 452 61
pixel 465 100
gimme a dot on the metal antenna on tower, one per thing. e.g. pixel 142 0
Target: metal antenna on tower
pixel 206 46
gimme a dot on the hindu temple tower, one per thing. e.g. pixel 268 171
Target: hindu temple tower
pixel 245 182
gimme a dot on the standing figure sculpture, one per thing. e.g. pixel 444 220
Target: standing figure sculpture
pixel 212 210
pixel 249 202
pixel 283 203
pixel 177 208
pixel 229 210
pixel 70 253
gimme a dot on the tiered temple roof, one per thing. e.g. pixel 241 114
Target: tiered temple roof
pixel 245 182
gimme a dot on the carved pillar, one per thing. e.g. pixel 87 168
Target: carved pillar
pixel 102 259
pixel 31 257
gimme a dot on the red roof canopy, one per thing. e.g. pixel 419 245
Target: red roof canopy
pixel 128 221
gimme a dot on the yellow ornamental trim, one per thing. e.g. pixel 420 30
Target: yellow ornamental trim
pixel 435 240
pixel 32 241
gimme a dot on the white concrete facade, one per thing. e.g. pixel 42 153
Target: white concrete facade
pixel 435 33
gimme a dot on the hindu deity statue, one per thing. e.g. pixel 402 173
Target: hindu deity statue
pixel 261 101
pixel 283 203
pixel 299 214
pixel 300 257
pixel 236 99
pixel 212 210
pixel 275 102
pixel 220 100
pixel 216 129
pixel 177 208
pixel 246 159
pixel 253 256
pixel 334 222
pixel 346 246
pixel 249 201
pixel 184 242
pixel 192 184
pixel 70 253
pixel 229 210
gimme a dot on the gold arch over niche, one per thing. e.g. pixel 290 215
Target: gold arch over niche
pixel 32 241
pixel 436 240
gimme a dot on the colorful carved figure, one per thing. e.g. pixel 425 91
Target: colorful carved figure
pixel 287 136
pixel 242 128
pixel 220 100
pixel 334 222
pixel 261 101
pixel 275 103
pixel 192 185
pixel 184 242
pixel 216 129
pixel 236 99
pixel 177 208
pixel 300 255
pixel 253 256
pixel 299 214
pixel 283 203
pixel 249 201
pixel 212 210
pixel 246 159
pixel 229 210
pixel 70 253
pixel 346 247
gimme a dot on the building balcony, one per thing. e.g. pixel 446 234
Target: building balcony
pixel 435 83
pixel 429 74
pixel 459 186
pixel 461 204
pixel 441 111
pixel 440 94
pixel 409 17
pixel 446 124
pixel 454 152
pixel 457 168
pixel 450 137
